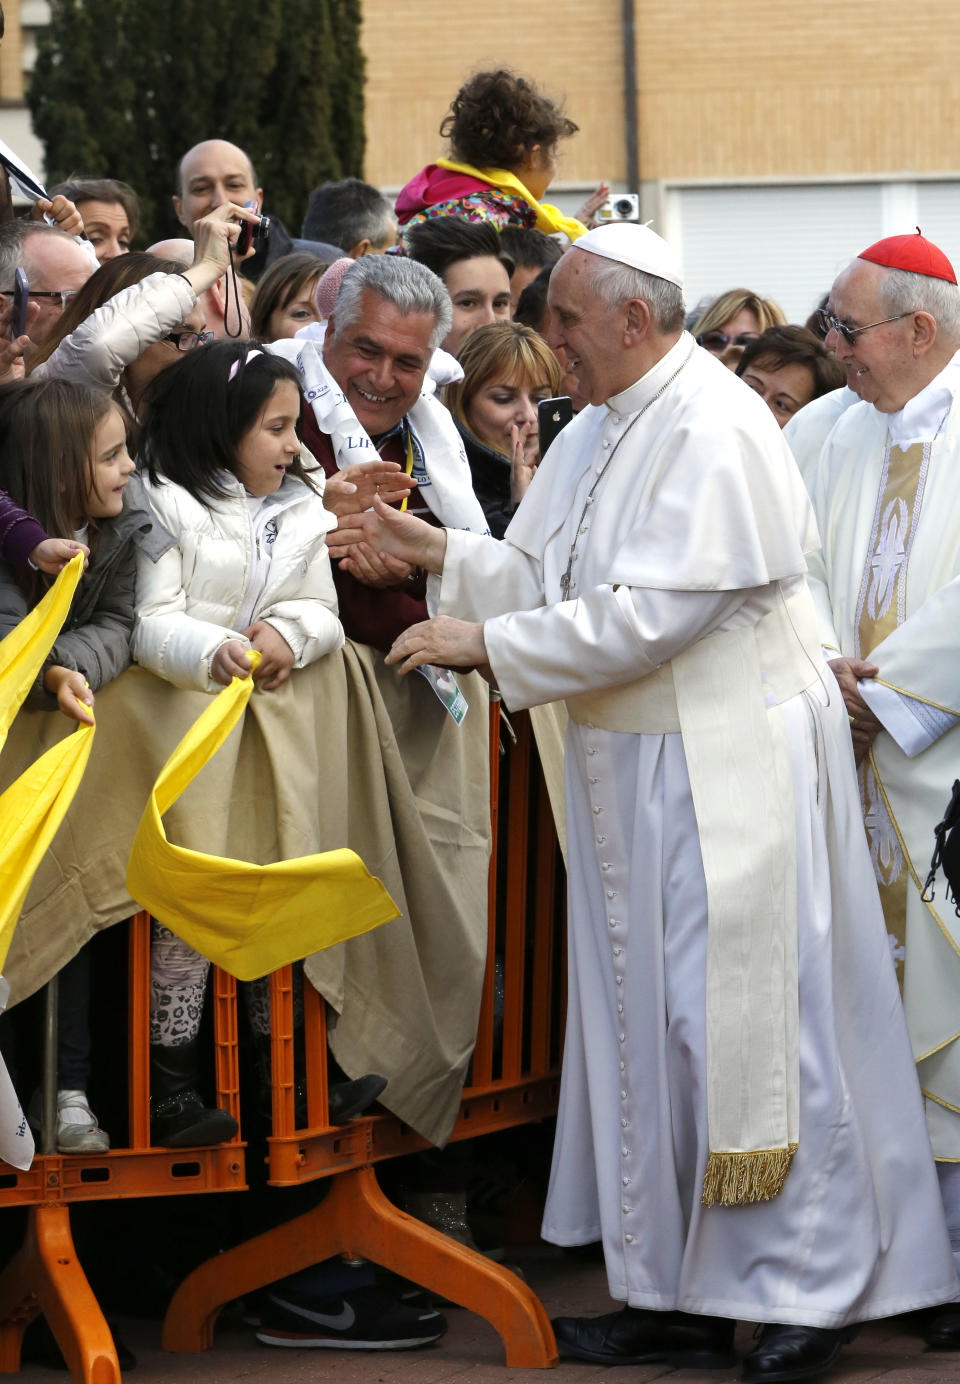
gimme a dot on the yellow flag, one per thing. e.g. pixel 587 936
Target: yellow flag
pixel 33 807
pixel 248 919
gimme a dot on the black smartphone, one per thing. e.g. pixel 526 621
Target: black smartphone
pixel 553 415
pixel 21 296
pixel 251 232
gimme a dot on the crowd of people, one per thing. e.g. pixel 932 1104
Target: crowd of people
pixel 325 451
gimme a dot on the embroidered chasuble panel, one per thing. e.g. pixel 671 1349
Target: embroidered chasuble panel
pixel 881 608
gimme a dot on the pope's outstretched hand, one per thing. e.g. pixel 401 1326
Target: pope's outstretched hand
pixel 443 640
pixel 390 533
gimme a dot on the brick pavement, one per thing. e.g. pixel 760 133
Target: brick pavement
pixel 471 1353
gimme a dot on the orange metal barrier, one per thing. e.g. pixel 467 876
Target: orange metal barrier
pixel 45 1274
pixel 512 1082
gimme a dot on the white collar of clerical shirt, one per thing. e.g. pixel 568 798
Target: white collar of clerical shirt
pixel 635 396
pixel 921 417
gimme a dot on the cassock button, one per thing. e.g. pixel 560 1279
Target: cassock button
pixel 629 1239
pixel 611 893
pixel 618 951
pixel 593 750
pixel 624 1124
pixel 606 864
pixel 590 726
pixel 619 980
pixel 606 442
pixel 619 1008
pixel 625 1209
pixel 589 500
pixel 625 1151
pixel 623 1095
pixel 621 1037
pixel 623 1066
pixel 625 1181
pixel 594 779
pixel 597 811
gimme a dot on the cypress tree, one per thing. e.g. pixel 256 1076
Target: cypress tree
pixel 122 88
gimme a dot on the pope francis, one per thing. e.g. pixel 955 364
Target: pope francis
pixel 739 1117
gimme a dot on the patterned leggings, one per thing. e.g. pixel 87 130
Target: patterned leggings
pixel 178 986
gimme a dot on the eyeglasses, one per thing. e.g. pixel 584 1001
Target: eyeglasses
pixel 719 341
pixel 64 294
pixel 186 341
pixel 828 323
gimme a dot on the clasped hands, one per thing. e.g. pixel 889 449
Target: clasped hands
pixel 864 726
pixel 390 537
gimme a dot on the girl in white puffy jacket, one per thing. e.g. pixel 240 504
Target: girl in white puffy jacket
pixel 250 570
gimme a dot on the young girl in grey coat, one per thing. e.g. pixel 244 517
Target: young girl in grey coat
pixel 64 460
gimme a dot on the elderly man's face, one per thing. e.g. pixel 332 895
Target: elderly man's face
pixel 52 264
pixel 212 173
pixel 879 360
pixel 583 326
pixel 379 360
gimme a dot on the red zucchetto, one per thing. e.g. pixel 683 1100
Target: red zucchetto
pixel 914 253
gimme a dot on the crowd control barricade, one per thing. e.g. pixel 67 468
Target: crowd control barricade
pixel 44 1275
pixel 514 1080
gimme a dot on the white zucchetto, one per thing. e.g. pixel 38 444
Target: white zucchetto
pixel 636 246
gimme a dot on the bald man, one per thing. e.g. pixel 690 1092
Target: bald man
pixel 213 301
pixel 217 171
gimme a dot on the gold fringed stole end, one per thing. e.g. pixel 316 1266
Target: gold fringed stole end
pixel 737 1179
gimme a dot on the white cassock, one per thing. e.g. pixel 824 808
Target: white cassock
pixel 886 492
pixel 809 427
pixel 697 528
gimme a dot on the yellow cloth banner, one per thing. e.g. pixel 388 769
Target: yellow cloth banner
pixel 33 807
pixel 248 919
pixel 550 219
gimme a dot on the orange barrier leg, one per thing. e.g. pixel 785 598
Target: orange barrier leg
pixel 45 1276
pixel 357 1220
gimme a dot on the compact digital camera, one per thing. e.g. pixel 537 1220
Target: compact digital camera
pixel 622 206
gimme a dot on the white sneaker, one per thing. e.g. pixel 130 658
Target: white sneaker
pixel 77 1128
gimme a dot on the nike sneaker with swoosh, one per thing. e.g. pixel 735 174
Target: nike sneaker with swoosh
pixel 363 1319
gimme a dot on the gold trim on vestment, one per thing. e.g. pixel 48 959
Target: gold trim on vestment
pixel 881 604
pixel 915 697
pixel 938 1100
pixel 736 1179
pixel 906 855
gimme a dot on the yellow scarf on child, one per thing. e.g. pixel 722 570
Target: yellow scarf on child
pixel 34 805
pixel 550 219
pixel 247 919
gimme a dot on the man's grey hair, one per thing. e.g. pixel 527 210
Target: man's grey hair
pixel 903 292
pixel 13 238
pixel 409 286
pixel 618 283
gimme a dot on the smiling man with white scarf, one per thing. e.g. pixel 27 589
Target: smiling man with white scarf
pixel 739 1117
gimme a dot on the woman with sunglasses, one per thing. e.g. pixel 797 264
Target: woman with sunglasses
pixel 137 314
pixel 733 320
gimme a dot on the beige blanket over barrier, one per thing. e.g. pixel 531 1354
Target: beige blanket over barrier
pixel 344 754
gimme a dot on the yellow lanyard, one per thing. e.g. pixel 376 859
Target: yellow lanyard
pixel 409 466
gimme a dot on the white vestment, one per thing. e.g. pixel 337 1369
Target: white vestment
pixel 696 528
pixel 810 426
pixel 891 557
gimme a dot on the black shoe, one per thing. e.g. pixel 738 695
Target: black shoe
pixel 183 1121
pixel 942 1328
pixel 361 1319
pixel 784 1353
pixel 634 1336
pixel 178 1117
pixel 348 1099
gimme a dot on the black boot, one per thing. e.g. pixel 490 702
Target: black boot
pixel 347 1098
pixel 178 1117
